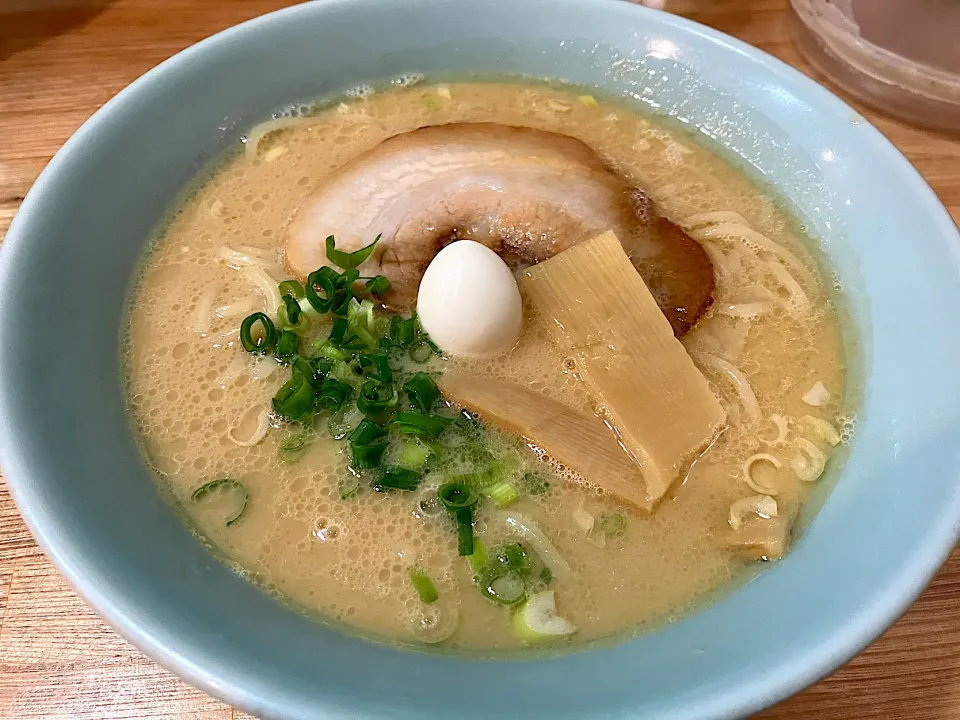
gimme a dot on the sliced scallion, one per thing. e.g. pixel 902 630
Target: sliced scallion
pixel 302 325
pixel 377 366
pixel 421 351
pixel 502 493
pixel 294 400
pixel 333 395
pixel 349 260
pixel 221 485
pixel 396 478
pixel 346 280
pixel 347 373
pixel 366 432
pixel 465 531
pixel 313 369
pixel 338 331
pixel 263 343
pixel 320 289
pixel 293 288
pixel 502 585
pixel 330 351
pixel 422 392
pixel 456 495
pixel 378 285
pixel 367 445
pixel 414 455
pixel 367 457
pixel 403 331
pixel 514 557
pixel 376 398
pixel 479 559
pixel 423 585
pixel 292 309
pixel 288 345
pixel 412 423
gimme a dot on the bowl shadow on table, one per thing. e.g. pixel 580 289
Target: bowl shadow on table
pixel 26 23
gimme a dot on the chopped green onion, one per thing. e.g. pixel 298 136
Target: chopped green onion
pixel 402 332
pixel 367 445
pixel 321 280
pixel 421 352
pixel 349 260
pixel 292 288
pixel 333 395
pixel 362 322
pixel 367 457
pixel 313 369
pixel 412 423
pixel 514 557
pixel 366 432
pixel 347 373
pixel 537 619
pixel 331 351
pixel 292 308
pixel 502 585
pixel 380 363
pixel 423 585
pixel 295 398
pixel 359 339
pixel 261 344
pixel 613 525
pixel 219 486
pixel 378 285
pixel 288 345
pixel 294 446
pixel 338 331
pixel 478 561
pixel 422 391
pixel 345 281
pixel 302 325
pixel 456 496
pixel 396 478
pixel 505 467
pixel 414 455
pixel 360 312
pixel 464 531
pixel 502 493
pixel 376 398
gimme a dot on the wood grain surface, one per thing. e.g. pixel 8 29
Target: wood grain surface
pixel 59 61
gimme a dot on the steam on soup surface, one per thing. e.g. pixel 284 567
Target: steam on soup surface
pixel 594 474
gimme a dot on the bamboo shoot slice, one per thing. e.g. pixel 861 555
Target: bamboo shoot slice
pixel 579 441
pixel 602 314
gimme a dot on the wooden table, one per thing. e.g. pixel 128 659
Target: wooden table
pixel 57 659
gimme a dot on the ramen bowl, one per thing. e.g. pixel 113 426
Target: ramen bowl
pixel 73 466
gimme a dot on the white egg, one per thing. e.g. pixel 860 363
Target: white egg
pixel 468 301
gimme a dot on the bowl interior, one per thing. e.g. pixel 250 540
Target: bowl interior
pixel 72 464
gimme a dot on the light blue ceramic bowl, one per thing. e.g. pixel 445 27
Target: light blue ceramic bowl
pixel 71 463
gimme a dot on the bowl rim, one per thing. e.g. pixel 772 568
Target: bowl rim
pixel 900 591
